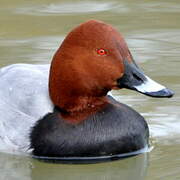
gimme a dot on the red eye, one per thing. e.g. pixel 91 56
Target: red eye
pixel 101 52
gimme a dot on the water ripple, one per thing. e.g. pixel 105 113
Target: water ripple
pixel 37 49
pixel 66 8
pixel 154 44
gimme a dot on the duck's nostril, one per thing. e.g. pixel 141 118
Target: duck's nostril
pixel 137 77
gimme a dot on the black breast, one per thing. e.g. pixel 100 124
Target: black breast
pixel 115 129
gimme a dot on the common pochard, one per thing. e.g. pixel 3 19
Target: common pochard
pixel 80 119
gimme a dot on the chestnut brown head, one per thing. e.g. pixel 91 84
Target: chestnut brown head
pixel 94 59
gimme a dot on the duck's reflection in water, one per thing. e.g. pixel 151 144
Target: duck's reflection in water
pixel 26 168
pixel 126 169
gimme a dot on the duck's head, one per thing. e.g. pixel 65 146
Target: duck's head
pixel 92 60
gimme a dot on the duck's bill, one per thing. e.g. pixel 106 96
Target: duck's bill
pixel 135 79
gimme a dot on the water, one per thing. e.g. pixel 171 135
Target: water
pixel 31 31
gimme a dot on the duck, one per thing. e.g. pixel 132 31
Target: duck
pixel 63 110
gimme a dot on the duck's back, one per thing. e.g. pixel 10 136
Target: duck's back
pixel 23 100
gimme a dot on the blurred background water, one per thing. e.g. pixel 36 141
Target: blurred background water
pixel 31 31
